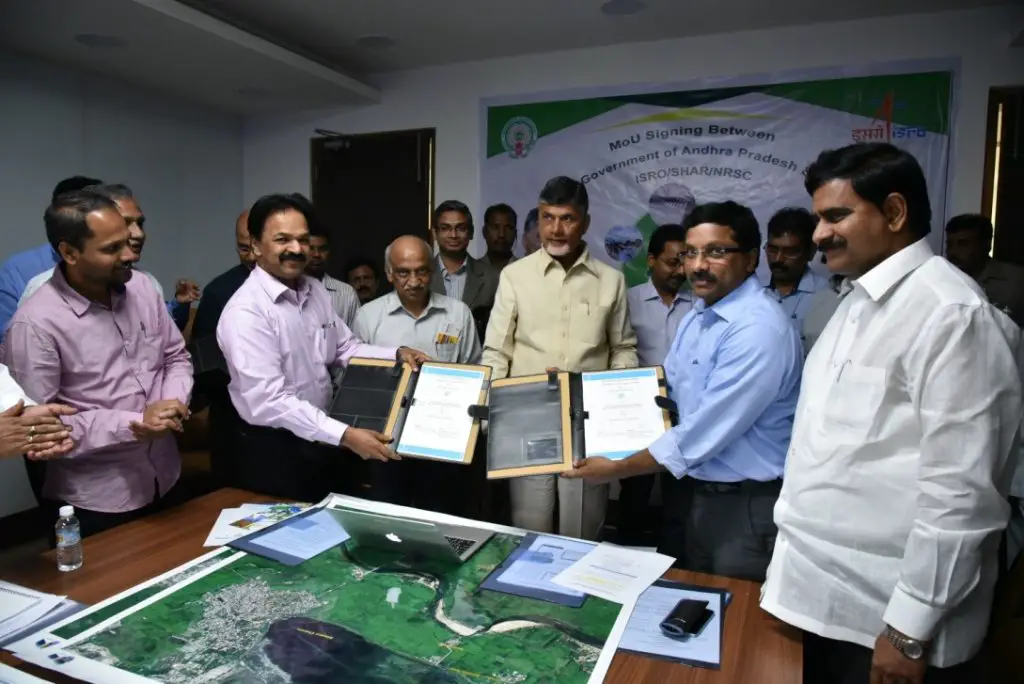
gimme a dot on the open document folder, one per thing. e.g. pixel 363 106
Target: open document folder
pixel 428 413
pixel 541 424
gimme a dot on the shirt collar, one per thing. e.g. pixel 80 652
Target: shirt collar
pixel 79 304
pixel 731 305
pixel 275 289
pixel 547 261
pixel 650 293
pixel 459 271
pixel 808 283
pixel 885 276
pixel 393 305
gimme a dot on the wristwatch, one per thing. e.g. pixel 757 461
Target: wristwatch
pixel 910 648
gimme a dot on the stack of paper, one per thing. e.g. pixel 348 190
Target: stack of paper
pixel 235 523
pixel 615 573
pixel 22 609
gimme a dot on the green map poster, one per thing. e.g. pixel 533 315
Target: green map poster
pixel 648 156
pixel 344 616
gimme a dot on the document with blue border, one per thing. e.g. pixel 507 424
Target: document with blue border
pixel 623 416
pixel 438 424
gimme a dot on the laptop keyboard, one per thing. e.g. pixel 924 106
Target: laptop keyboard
pixel 459 545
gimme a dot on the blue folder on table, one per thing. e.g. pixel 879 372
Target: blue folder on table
pixel 295 539
pixel 528 570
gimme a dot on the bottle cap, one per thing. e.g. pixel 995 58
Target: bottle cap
pixel 66 511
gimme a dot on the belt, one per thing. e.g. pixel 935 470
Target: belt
pixel 743 486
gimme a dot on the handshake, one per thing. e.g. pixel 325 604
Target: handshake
pixel 159 418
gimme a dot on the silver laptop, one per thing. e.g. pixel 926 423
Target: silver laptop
pixel 411 537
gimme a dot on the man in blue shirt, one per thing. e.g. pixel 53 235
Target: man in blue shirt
pixel 734 372
pixel 23 266
pixel 789 250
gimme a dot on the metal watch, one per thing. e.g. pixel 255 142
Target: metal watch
pixel 910 648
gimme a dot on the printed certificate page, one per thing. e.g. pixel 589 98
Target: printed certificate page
pixel 622 416
pixel 438 424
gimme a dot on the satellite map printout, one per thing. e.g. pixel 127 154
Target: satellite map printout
pixel 344 616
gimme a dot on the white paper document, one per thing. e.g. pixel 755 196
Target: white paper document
pixel 622 416
pixel 20 607
pixel 235 523
pixel 643 631
pixel 438 424
pixel 8 675
pixel 614 573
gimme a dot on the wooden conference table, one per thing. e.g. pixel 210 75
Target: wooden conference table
pixel 756 648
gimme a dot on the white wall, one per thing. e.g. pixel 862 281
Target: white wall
pixel 448 98
pixel 184 164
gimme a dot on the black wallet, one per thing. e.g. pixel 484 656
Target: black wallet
pixel 687 619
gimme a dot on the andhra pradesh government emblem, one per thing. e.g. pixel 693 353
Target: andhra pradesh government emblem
pixel 518 136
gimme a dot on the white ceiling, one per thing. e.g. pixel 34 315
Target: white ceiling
pixel 257 56
pixel 429 32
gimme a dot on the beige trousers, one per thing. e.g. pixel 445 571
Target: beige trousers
pixel 533 505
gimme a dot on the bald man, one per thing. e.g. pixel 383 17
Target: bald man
pixel 212 387
pixel 443 328
pixel 219 291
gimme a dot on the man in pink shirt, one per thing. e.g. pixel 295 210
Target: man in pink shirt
pixel 98 340
pixel 280 334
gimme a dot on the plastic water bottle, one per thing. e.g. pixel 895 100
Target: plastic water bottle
pixel 69 540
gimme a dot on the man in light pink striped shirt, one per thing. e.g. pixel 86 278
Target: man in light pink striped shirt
pixel 101 341
pixel 280 335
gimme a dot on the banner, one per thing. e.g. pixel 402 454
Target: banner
pixel 647 159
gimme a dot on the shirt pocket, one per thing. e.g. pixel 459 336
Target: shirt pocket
pixel 590 323
pixel 853 405
pixel 325 344
pixel 147 351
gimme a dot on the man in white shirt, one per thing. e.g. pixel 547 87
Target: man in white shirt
pixel 894 494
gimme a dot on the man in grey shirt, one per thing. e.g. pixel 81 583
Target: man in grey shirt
pixel 444 329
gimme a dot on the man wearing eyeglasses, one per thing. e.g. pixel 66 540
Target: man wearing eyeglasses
pixel 734 373
pixel 414 316
pixel 458 275
pixel 789 250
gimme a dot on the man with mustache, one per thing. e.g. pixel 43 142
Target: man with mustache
pixel 186 291
pixel 361 274
pixel 559 308
pixel 458 275
pixel 415 316
pixel 99 340
pixel 894 495
pixel 655 310
pixel 500 235
pixel 280 336
pixel 733 371
pixel 789 249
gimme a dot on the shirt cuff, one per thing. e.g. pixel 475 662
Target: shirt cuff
pixel 666 452
pixel 331 432
pixel 909 616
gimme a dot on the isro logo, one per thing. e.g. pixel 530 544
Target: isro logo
pixel 882 129
pixel 518 136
